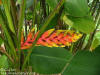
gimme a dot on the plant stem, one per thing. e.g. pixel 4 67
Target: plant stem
pixel 92 36
pixel 20 25
pixel 97 15
pixel 93 4
pixel 47 20
pixel 3 51
pixel 71 48
pixel 95 7
pixel 25 27
pixel 34 11
pixel 43 3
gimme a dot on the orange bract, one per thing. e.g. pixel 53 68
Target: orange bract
pixel 52 38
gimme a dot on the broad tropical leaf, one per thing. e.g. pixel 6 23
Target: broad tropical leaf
pixel 76 8
pixel 84 63
pixel 83 24
pixel 46 60
pixel 52 38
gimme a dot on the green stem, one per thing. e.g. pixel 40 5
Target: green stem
pixel 49 18
pixel 34 11
pixel 20 25
pixel 91 37
pixel 94 8
pixel 25 26
pixel 97 21
pixel 43 4
pixel 97 15
pixel 4 51
pixel 93 4
pixel 71 48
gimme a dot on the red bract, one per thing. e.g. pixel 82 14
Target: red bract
pixel 52 38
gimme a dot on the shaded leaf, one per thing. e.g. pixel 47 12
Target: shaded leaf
pixel 76 8
pixel 84 63
pixel 52 23
pixel 29 3
pixel 1 40
pixel 49 60
pixel 52 4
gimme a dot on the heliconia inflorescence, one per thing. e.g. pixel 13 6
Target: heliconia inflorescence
pixel 51 38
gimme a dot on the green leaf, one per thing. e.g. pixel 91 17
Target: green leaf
pixel 10 42
pixel 8 14
pixel 29 3
pixel 67 20
pixel 18 1
pixel 95 43
pixel 47 60
pixel 76 8
pixel 52 23
pixel 1 41
pixel 52 4
pixel 3 62
pixel 3 71
pixel 83 24
pixel 84 63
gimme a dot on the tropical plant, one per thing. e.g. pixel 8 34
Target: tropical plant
pixel 50 37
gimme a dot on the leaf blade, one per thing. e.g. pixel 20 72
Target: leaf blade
pixel 84 63
pixel 54 58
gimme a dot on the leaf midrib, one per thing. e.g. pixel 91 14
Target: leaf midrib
pixel 51 57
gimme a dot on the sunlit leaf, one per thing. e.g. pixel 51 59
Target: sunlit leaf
pixel 3 62
pixel 95 43
pixel 83 24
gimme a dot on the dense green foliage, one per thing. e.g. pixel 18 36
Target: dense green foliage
pixel 82 16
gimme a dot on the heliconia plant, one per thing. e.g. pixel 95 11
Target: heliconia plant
pixel 50 37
